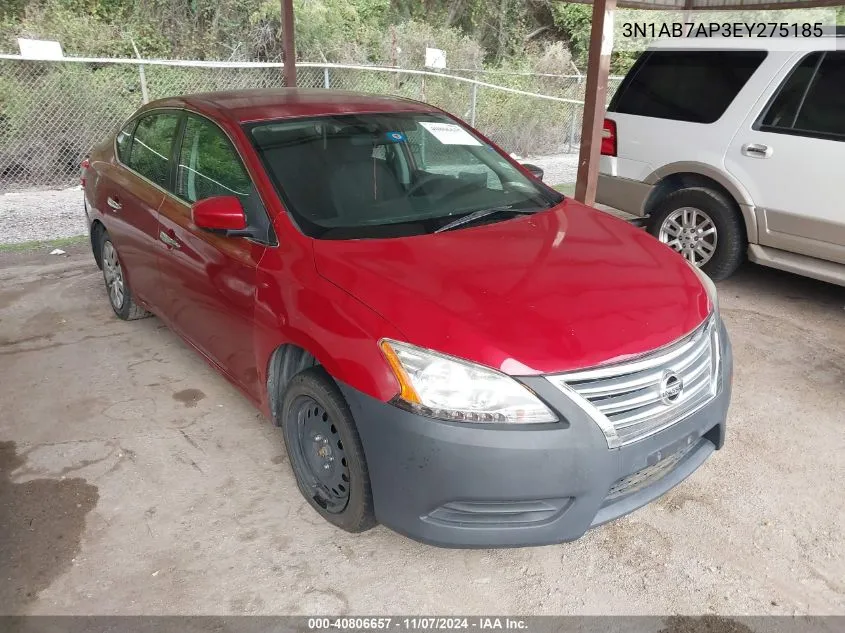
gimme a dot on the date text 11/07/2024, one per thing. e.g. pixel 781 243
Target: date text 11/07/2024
pixel 417 623
pixel 720 29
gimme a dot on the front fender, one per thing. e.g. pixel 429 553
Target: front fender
pixel 295 306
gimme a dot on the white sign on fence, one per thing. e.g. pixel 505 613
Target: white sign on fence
pixel 435 58
pixel 40 49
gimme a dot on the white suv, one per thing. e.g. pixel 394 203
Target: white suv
pixel 726 147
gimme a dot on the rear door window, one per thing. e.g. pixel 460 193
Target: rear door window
pixel 694 86
pixel 783 110
pixel 811 101
pixel 152 146
pixel 124 141
pixel 823 111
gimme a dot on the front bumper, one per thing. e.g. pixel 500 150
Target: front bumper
pixel 457 485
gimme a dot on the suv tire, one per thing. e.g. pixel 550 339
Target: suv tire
pixel 730 241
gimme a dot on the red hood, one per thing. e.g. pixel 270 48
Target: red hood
pixel 563 289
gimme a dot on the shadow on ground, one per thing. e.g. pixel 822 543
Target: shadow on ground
pixel 41 523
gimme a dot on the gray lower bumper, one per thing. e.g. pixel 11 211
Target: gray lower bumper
pixel 623 194
pixel 457 485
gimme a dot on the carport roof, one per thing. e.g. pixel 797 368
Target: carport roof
pixel 716 5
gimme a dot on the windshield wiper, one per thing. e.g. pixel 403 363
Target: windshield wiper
pixel 481 213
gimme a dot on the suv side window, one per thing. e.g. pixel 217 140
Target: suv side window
pixel 152 145
pixel 810 102
pixel 694 86
pixel 124 141
pixel 823 111
pixel 784 107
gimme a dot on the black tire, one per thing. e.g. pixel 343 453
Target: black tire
pixel 314 391
pixel 731 242
pixel 124 305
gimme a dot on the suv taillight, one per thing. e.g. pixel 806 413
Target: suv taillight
pixel 84 165
pixel 608 138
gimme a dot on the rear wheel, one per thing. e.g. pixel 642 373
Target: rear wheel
pixel 120 296
pixel 704 227
pixel 325 451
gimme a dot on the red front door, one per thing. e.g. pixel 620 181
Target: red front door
pixel 207 279
pixel 207 283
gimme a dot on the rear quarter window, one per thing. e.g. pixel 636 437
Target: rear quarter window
pixel 694 86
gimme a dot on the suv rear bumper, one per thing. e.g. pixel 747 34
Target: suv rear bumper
pixel 456 485
pixel 623 194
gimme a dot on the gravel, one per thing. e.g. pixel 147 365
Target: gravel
pixel 559 168
pixel 48 214
pixel 41 215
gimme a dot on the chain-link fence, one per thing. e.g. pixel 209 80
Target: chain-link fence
pixel 52 112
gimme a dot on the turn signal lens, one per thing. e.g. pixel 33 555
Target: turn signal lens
pixel 406 392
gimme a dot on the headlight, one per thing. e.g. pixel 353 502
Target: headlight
pixel 709 286
pixel 448 388
pixel 713 295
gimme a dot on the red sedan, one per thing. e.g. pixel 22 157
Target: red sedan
pixel 451 347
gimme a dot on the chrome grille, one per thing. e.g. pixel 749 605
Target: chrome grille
pixel 640 397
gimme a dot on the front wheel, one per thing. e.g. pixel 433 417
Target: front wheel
pixel 702 225
pixel 325 451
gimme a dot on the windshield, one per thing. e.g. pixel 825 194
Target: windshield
pixel 390 175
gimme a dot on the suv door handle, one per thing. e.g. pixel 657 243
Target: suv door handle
pixel 171 242
pixel 114 204
pixel 757 150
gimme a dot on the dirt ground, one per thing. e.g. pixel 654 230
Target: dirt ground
pixel 136 480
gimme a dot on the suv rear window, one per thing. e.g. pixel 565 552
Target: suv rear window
pixel 695 86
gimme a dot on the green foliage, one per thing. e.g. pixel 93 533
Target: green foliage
pixel 573 21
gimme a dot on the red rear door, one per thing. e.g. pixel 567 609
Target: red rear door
pixel 130 191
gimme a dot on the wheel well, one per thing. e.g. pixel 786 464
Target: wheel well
pixel 97 229
pixel 674 182
pixel 286 362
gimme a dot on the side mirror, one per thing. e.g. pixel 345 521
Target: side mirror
pixel 221 213
pixel 536 171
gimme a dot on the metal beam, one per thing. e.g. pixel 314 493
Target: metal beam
pixel 595 98
pixel 288 46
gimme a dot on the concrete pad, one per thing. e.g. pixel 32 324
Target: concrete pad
pixel 136 480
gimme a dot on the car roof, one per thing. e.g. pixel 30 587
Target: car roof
pixel 242 106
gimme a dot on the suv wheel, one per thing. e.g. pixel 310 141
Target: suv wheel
pixel 702 225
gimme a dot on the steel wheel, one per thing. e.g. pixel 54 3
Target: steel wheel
pixel 692 233
pixel 319 457
pixel 113 275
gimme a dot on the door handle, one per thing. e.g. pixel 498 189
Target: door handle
pixel 757 150
pixel 169 241
pixel 114 204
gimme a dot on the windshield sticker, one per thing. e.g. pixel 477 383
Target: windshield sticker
pixel 396 137
pixel 450 133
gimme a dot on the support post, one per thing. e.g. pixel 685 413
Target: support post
pixel 288 47
pixel 326 82
pixel 145 94
pixel 473 106
pixel 595 99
